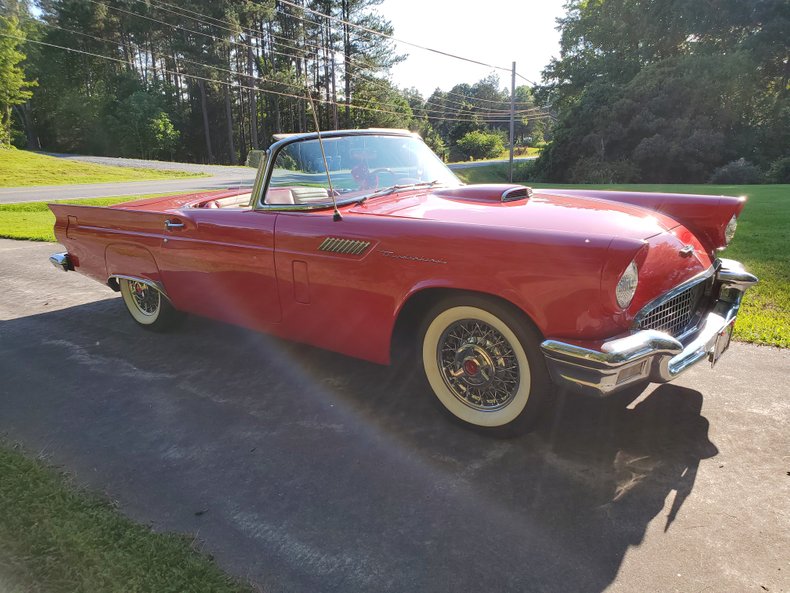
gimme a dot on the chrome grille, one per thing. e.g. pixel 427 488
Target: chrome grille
pixel 674 315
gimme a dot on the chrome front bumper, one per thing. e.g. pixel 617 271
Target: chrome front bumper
pixel 603 367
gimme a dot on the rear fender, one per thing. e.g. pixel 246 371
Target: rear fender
pixel 125 260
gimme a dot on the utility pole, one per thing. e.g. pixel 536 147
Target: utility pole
pixel 512 117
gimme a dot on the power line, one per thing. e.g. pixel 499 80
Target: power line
pixel 289 45
pixel 490 117
pixel 391 37
pixel 206 79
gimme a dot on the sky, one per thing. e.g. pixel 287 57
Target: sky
pixel 496 32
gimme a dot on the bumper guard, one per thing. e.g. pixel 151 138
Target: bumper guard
pixel 604 367
pixel 61 261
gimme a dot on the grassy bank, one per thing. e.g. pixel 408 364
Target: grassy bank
pixel 496 173
pixel 20 168
pixel 58 539
pixel 33 221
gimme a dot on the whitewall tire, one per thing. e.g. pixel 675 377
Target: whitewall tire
pixel 482 360
pixel 147 306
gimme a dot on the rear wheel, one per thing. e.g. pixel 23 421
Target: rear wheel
pixel 483 362
pixel 147 305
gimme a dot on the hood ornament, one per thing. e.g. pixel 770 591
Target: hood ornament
pixel 686 250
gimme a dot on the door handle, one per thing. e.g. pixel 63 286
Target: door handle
pixel 174 224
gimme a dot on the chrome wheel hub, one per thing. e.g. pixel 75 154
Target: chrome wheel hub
pixel 478 365
pixel 145 298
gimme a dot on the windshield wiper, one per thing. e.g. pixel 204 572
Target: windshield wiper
pixel 393 188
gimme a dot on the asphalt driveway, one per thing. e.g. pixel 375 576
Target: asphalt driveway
pixel 301 470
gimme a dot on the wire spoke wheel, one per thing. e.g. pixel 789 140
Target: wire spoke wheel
pixel 482 360
pixel 147 305
pixel 145 298
pixel 478 365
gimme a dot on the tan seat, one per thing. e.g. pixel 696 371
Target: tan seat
pixel 279 195
pixel 309 195
pixel 234 201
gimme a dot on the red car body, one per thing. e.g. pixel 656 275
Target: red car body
pixel 344 285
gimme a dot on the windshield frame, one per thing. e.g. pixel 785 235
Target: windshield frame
pixel 264 175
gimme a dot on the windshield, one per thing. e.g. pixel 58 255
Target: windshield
pixel 359 166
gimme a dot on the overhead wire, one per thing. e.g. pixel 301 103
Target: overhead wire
pixel 488 117
pixel 203 78
pixel 392 37
pixel 226 25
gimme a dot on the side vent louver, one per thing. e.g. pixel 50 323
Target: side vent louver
pixel 516 193
pixel 345 246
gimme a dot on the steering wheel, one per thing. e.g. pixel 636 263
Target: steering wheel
pixel 386 170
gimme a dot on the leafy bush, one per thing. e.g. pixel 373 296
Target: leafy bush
pixel 740 172
pixel 481 145
pixel 596 170
pixel 523 171
pixel 780 171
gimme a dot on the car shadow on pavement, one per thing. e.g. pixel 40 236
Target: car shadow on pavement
pixel 313 471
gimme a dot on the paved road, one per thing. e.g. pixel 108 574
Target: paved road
pixel 222 178
pixel 221 171
pixel 214 170
pixel 10 195
pixel 321 473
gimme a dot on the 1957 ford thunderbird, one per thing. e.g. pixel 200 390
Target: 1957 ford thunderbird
pixel 359 241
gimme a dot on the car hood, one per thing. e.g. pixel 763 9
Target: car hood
pixel 544 210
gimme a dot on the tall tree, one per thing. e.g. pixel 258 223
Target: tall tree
pixel 666 91
pixel 14 88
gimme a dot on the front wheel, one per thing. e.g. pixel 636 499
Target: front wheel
pixel 147 305
pixel 483 362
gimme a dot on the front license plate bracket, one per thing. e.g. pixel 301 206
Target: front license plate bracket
pixel 722 343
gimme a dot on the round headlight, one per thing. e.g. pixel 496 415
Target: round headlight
pixel 626 287
pixel 729 231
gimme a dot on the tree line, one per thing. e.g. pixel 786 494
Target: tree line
pixel 670 91
pixel 209 81
pixel 654 90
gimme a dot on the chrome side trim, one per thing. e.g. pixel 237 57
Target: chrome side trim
pixel 112 282
pixel 62 261
pixel 604 367
pixel 306 207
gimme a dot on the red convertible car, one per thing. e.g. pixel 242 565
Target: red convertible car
pixel 359 241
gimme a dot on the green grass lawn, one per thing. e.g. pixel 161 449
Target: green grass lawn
pixel 33 221
pixel 20 168
pixel 760 243
pixel 59 539
pixel 520 152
